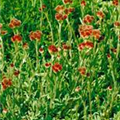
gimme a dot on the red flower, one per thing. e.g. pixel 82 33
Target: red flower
pixel 82 70
pixel 47 65
pixel 52 49
pixel 14 23
pixel 96 33
pixel 89 44
pixel 88 19
pixel 16 73
pixel 109 88
pixel 16 38
pixel 115 2
pixel 67 1
pixel 108 55
pixel 71 9
pixel 56 67
pixel 81 46
pixel 35 35
pixel 6 82
pixel 117 24
pixel 83 3
pixel 64 17
pixel 41 50
pixel 85 30
pixel 59 16
pixel 100 14
pixel 12 65
pixel 66 47
pixel 59 8
pixel 3 32
pixel 25 45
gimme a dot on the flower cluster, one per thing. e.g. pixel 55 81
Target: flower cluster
pixel 66 47
pixel 88 19
pixel 83 3
pixel 100 14
pixel 115 2
pixel 16 38
pixel 87 31
pixel 117 24
pixel 35 35
pixel 87 44
pixel 62 12
pixel 6 82
pixel 52 49
pixel 47 65
pixel 14 23
pixel 82 70
pixel 56 67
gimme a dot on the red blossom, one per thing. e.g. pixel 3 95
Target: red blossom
pixel 85 30
pixel 52 49
pixel 6 83
pixel 35 35
pixel 56 67
pixel 3 32
pixel 96 33
pixel 41 50
pixel 82 70
pixel 89 44
pixel 108 55
pixel 109 88
pixel 16 72
pixel 59 16
pixel 12 65
pixel 117 24
pixel 66 47
pixel 25 45
pixel 81 46
pixel 83 3
pixel 47 65
pixel 59 8
pixel 14 23
pixel 67 1
pixel 115 2
pixel 88 19
pixel 100 14
pixel 16 38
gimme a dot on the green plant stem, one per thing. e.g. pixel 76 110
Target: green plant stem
pixel 59 33
pixel 2 56
pixel 51 29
